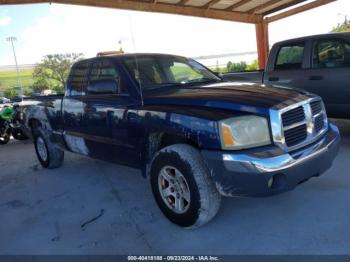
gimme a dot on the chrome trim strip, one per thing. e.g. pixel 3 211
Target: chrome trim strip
pixel 277 163
pixel 318 114
pixel 57 132
pixel 294 125
pixel 250 163
pixel 309 120
pixel 262 165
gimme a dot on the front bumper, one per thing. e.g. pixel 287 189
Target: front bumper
pixel 268 171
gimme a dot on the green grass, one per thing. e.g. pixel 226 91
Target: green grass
pixel 9 78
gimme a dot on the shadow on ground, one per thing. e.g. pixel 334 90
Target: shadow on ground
pixel 92 207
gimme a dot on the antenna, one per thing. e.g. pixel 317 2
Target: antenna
pixel 137 74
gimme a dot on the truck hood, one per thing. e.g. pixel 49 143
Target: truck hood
pixel 243 97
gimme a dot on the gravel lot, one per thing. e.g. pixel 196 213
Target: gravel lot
pixel 52 212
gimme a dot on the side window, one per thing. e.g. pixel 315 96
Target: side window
pixel 78 78
pixel 103 70
pixel 290 57
pixel 146 70
pixel 104 78
pixel 330 54
pixel 183 72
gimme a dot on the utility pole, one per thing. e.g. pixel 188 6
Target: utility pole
pixel 13 39
pixel 120 47
pixel 345 18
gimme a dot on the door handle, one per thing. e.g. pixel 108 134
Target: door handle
pixel 273 78
pixel 315 78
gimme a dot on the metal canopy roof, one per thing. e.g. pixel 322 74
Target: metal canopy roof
pixel 247 11
pixel 258 12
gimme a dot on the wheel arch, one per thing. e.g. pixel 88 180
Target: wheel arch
pixel 155 141
pixel 34 123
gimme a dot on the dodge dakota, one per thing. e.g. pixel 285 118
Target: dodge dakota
pixel 194 136
pixel 319 64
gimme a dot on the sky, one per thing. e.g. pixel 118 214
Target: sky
pixel 43 29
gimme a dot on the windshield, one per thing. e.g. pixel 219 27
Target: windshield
pixel 164 71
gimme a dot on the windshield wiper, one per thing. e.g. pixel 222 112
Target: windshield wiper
pixel 201 80
pixel 156 86
pixel 180 84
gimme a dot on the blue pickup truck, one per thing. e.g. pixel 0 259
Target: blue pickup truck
pixel 194 136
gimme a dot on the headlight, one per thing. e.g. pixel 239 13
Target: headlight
pixel 244 132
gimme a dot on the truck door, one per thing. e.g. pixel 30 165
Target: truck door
pixel 106 102
pixel 329 75
pixel 286 66
pixel 73 107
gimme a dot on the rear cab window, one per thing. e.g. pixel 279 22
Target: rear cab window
pixel 103 70
pixel 290 57
pixel 77 79
pixel 330 53
pixel 105 78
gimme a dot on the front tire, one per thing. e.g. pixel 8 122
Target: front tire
pixel 49 155
pixel 182 186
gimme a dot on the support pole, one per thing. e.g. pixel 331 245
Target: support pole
pixel 262 41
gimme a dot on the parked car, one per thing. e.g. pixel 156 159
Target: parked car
pixel 17 99
pixel 48 92
pixel 4 100
pixel 319 64
pixel 194 136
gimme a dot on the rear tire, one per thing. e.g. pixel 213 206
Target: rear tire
pixel 5 139
pixel 49 155
pixel 178 173
pixel 18 134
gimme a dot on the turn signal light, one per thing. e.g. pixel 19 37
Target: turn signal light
pixel 227 136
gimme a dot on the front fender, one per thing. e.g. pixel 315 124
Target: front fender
pixel 156 126
pixel 200 131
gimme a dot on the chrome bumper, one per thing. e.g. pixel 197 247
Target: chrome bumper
pixel 270 170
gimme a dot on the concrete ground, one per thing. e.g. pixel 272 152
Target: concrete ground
pixel 53 212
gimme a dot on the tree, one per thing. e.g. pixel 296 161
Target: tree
pixel 28 91
pixel 290 55
pixel 58 89
pixel 10 93
pixel 41 83
pixel 53 71
pixel 234 67
pixel 253 66
pixel 342 27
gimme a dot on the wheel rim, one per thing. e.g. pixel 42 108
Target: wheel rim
pixel 4 138
pixel 41 147
pixel 174 189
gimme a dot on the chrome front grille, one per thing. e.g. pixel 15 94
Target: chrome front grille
pixel 299 124
pixel 316 107
pixel 295 135
pixel 294 126
pixel 319 123
pixel 293 116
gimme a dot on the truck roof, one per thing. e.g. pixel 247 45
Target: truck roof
pixel 131 55
pixel 319 36
pixel 128 55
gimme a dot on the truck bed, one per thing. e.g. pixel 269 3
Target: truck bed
pixel 245 76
